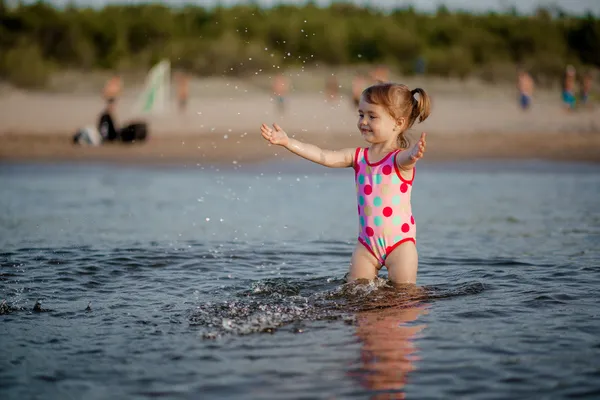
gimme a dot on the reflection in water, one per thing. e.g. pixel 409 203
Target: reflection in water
pixel 389 350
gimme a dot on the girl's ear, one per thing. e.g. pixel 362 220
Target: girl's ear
pixel 400 123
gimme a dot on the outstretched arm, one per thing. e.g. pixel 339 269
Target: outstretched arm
pixel 407 159
pixel 329 158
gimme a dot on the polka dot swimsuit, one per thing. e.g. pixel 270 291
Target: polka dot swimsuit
pixel 384 211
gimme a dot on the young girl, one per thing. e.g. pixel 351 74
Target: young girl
pixel 384 173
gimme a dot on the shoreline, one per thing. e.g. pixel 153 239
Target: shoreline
pixel 242 148
pixel 469 121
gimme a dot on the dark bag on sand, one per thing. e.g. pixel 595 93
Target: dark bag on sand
pixel 134 132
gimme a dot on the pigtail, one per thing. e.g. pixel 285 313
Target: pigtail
pixel 421 106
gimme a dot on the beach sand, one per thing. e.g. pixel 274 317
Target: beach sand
pixel 469 121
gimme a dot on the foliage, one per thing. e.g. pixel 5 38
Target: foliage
pixel 24 66
pixel 247 39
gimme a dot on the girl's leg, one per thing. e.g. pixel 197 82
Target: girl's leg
pixel 364 264
pixel 402 264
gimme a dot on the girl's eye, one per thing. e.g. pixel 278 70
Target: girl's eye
pixel 373 117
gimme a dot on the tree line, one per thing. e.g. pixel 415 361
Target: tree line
pixel 37 39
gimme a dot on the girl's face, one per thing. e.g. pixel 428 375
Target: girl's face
pixel 375 124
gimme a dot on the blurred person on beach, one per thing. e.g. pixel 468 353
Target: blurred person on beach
pixel 183 90
pixel 587 83
pixel 358 85
pixel 384 173
pixel 280 90
pixel 420 66
pixel 380 74
pixel 105 130
pixel 106 124
pixel 568 88
pixel 331 88
pixel 112 89
pixel 525 86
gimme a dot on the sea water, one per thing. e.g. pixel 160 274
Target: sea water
pixel 228 282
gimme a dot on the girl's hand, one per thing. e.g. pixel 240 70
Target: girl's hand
pixel 418 149
pixel 274 136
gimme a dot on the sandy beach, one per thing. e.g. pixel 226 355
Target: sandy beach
pixel 221 125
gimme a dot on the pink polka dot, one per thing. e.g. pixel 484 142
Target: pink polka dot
pixel 403 188
pixel 369 231
pixel 412 220
pixel 368 189
pixel 387 212
pixel 405 228
pixel 386 170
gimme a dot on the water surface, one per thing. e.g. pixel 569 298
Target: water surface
pixel 206 282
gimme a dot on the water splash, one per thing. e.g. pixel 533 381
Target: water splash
pixel 273 304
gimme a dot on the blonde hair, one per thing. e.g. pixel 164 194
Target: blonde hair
pixel 400 102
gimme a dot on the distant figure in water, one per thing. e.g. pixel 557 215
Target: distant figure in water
pixel 183 90
pixel 525 87
pixel 384 172
pixel 280 90
pixel 568 88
